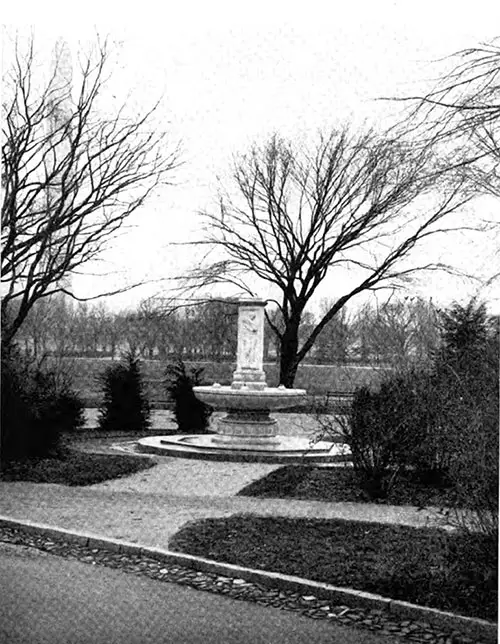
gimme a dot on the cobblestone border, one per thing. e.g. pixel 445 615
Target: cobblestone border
pixel 312 599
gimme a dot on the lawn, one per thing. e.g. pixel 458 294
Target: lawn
pixel 338 484
pixel 74 467
pixel 426 566
pixel 316 379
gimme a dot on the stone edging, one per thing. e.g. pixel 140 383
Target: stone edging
pixel 474 628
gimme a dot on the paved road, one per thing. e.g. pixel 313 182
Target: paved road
pixel 51 600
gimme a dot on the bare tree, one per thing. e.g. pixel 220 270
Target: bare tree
pixel 361 202
pixel 460 115
pixel 215 327
pixel 462 111
pixel 333 344
pixel 71 177
pixel 149 321
pixel 398 332
pixel 35 333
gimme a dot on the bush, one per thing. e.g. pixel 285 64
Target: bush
pixel 191 415
pixel 125 406
pixel 382 429
pixel 440 424
pixel 467 367
pixel 37 406
pixel 428 406
pixel 400 427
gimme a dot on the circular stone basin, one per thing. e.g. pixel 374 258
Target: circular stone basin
pixel 249 399
pixel 287 450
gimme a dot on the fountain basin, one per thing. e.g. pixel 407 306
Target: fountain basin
pixel 247 432
pixel 285 450
pixel 247 398
pixel 248 424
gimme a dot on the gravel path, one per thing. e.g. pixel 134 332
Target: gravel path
pixel 150 506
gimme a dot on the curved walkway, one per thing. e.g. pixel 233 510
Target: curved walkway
pixel 150 506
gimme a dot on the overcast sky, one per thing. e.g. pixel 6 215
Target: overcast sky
pixel 229 77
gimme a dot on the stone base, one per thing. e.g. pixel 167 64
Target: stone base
pixel 254 379
pixel 286 450
pixel 250 429
pixel 245 442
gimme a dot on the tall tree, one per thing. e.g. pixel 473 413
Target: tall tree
pixel 398 331
pixel 216 329
pixel 71 175
pixel 358 201
pixel 333 343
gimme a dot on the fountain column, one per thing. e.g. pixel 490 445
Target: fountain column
pixel 248 427
pixel 247 432
pixel 250 353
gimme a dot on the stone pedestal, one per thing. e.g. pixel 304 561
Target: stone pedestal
pixel 248 400
pixel 247 429
pixel 250 353
pixel 247 433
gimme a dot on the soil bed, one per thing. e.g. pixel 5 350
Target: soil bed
pixel 430 567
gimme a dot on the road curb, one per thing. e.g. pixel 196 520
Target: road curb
pixel 477 629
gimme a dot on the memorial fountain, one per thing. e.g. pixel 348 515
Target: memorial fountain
pixel 247 432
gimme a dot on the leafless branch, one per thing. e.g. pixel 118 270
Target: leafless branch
pixel 71 178
pixel 296 215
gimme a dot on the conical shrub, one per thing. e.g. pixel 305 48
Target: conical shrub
pixel 192 415
pixel 125 406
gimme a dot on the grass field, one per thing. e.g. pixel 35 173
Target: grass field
pixel 316 379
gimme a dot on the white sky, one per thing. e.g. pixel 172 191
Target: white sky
pixel 231 76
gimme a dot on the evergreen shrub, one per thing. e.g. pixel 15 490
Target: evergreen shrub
pixel 125 406
pixel 468 367
pixel 37 406
pixel 191 414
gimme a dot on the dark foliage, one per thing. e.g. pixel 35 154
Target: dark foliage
pixel 383 428
pixel 37 406
pixel 125 406
pixel 427 421
pixel 341 484
pixel 467 368
pixel 464 334
pixel 191 415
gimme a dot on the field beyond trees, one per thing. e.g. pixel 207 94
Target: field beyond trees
pixel 316 379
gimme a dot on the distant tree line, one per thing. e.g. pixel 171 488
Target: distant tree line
pixel 399 329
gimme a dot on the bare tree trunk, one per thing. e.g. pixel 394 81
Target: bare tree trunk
pixel 289 346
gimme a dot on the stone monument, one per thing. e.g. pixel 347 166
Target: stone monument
pixel 247 432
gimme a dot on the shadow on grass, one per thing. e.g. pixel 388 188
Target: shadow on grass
pixel 339 484
pixel 426 566
pixel 74 467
